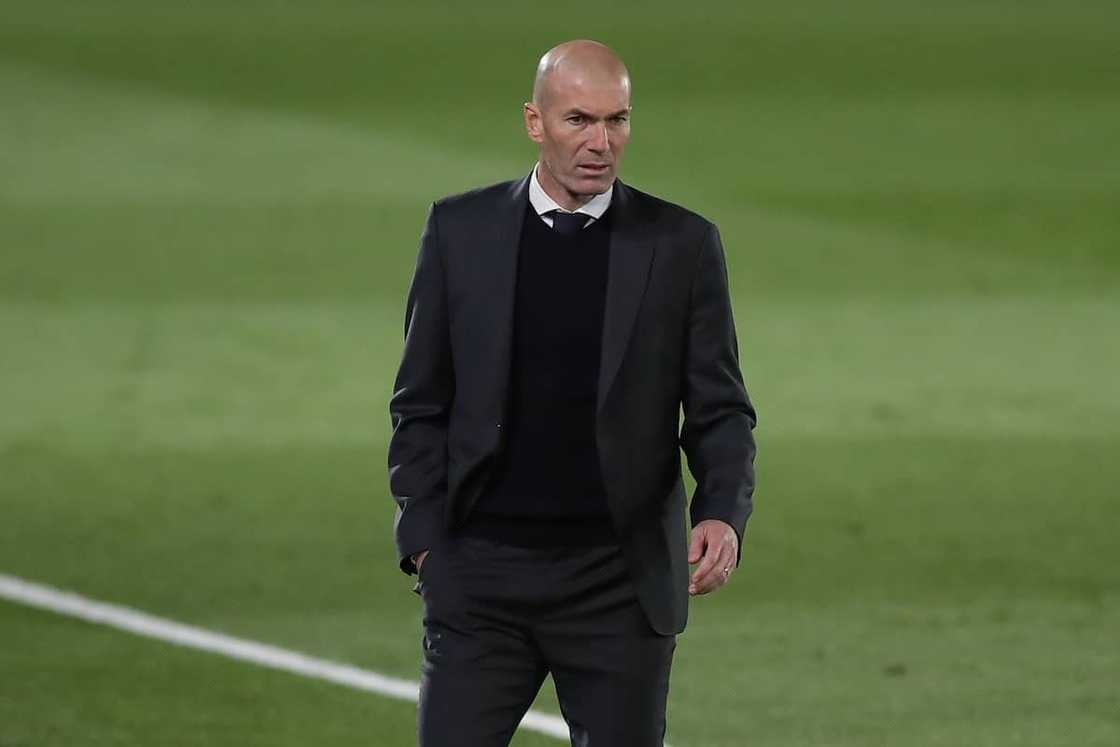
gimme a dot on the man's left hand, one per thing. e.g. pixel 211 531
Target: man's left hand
pixel 715 545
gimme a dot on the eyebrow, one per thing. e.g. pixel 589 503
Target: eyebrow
pixel 581 112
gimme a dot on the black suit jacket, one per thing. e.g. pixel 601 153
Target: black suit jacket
pixel 668 340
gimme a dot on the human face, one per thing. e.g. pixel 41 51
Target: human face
pixel 582 129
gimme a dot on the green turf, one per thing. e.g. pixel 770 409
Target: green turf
pixel 209 216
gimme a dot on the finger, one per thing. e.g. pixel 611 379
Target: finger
pixel 728 563
pixel 707 563
pixel 696 546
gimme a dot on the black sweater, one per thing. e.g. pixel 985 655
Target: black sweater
pixel 546 487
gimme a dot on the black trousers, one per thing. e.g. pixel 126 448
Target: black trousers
pixel 498 618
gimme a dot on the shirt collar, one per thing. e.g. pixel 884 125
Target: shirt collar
pixel 542 203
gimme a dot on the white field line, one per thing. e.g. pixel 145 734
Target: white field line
pixel 141 623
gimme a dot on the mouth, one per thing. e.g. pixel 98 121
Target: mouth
pixel 594 168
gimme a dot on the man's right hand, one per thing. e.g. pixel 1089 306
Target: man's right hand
pixel 418 559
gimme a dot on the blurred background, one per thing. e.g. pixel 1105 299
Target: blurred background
pixel 209 217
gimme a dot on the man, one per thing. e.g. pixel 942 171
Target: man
pixel 554 327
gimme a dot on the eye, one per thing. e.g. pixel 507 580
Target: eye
pixel 575 118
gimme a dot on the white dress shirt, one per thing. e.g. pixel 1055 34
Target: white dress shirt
pixel 542 203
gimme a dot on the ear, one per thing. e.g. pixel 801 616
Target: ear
pixel 533 124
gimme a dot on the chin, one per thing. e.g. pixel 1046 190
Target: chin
pixel 592 184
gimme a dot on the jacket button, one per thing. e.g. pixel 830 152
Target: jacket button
pixel 499 426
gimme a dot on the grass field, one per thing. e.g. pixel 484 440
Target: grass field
pixel 209 215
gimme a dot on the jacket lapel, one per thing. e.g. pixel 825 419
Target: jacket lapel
pixel 495 338
pixel 631 254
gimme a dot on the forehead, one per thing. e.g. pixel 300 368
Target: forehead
pixel 597 94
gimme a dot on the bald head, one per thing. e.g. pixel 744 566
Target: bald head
pixel 579 64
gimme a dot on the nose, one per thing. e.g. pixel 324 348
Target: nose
pixel 600 140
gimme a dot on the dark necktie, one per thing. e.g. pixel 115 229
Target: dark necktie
pixel 567 223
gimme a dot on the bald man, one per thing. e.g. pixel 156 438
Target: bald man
pixel 554 328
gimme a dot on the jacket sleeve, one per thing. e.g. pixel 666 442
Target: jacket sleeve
pixel 719 418
pixel 420 405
